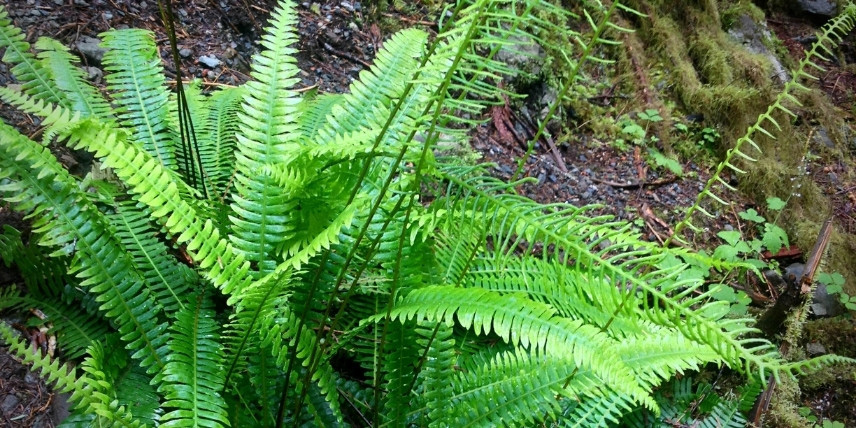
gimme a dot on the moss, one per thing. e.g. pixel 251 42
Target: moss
pixel 733 10
pixel 837 335
pixel 783 407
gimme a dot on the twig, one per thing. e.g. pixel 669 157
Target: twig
pixel 560 161
pixel 637 185
pixel 347 56
pixel 204 83
pixel 410 20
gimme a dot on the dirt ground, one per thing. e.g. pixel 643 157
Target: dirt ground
pixel 216 42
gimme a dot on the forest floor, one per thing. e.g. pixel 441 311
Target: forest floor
pixel 216 39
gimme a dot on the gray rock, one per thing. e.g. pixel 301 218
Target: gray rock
pixel 822 137
pixel 525 55
pixel 753 36
pixel 814 349
pixel 9 403
pixel 185 52
pixel 209 61
pixel 823 304
pixel 90 47
pixel 817 7
pixel 94 74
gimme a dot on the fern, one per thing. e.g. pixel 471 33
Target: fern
pixel 345 295
pixel 830 35
pixel 137 83
pixel 260 220
pixel 66 217
pixel 193 375
pixel 35 78
pixel 81 95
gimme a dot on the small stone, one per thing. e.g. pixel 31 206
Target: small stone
pixel 107 16
pixel 185 52
pixel 347 6
pixel 90 47
pixel 58 2
pixel 9 403
pixel 94 74
pixel 814 349
pixel 209 61
pixel 818 7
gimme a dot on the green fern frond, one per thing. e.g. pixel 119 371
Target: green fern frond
pixel 600 410
pixel 82 96
pixel 193 377
pixel 103 369
pixel 283 331
pixel 54 117
pixel 217 141
pixel 36 80
pixel 167 279
pixel 370 101
pixel 816 363
pixel 64 216
pixel 85 392
pixel 521 389
pixel 136 82
pixel 436 379
pixel 519 221
pixel 829 36
pixel 397 364
pixel 268 127
pixel 75 330
pixel 159 189
pixel 314 112
pixel 526 323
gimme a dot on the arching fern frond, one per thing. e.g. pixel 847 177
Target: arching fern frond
pixel 158 188
pixel 268 126
pixel 193 377
pixel 435 383
pixel 85 391
pixel 371 98
pixel 71 80
pixel 665 298
pixel 527 324
pixel 167 279
pixel 522 389
pixel 830 36
pixel 136 82
pixel 64 216
pixel 217 139
pixel 32 74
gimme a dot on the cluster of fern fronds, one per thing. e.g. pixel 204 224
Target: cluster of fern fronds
pixel 281 267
